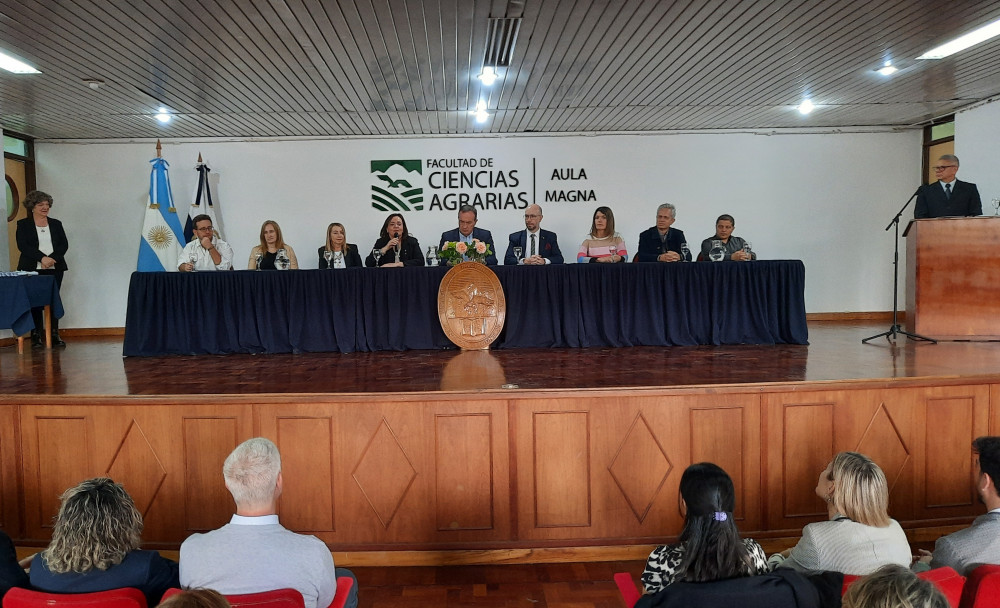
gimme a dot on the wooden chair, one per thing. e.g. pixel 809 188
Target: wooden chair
pixel 281 598
pixel 115 598
pixel 982 589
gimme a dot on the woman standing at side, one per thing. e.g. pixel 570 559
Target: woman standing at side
pixel 43 245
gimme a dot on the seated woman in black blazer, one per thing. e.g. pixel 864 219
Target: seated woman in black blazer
pixel 95 546
pixel 338 253
pixel 396 245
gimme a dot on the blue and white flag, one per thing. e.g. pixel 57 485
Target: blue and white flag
pixel 202 203
pixel 161 243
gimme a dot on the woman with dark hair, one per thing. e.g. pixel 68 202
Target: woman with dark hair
pixel 265 255
pixel 338 253
pixel 395 245
pixel 709 547
pixel 43 245
pixel 603 243
pixel 95 546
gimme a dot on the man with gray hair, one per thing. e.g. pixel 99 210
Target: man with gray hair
pixel 947 197
pixel 253 552
pixel 661 243
pixel 466 231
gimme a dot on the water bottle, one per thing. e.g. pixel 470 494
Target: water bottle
pixel 432 256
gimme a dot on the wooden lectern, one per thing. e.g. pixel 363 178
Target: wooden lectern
pixel 953 278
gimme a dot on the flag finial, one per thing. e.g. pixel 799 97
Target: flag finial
pixel 199 159
pixel 158 148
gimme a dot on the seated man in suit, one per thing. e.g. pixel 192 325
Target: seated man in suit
pixel 661 243
pixel 253 552
pixel 947 197
pixel 978 544
pixel 466 231
pixel 537 246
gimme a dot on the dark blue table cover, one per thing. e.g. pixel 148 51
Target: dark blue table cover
pixel 368 309
pixel 18 295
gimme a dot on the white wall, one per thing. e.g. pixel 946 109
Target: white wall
pixel 822 198
pixel 977 145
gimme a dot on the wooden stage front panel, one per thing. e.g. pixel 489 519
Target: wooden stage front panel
pixel 498 469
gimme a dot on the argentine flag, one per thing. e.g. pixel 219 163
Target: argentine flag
pixel 161 244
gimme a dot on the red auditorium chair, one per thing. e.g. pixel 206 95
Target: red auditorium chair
pixel 949 582
pixel 280 598
pixel 115 598
pixel 982 590
pixel 626 586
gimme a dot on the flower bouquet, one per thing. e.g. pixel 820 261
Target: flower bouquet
pixel 456 252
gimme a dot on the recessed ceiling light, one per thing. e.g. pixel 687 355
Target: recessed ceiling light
pixel 888 69
pixel 806 106
pixel 488 75
pixel 15 66
pixel 961 43
pixel 163 116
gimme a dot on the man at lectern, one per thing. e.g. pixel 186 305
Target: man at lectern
pixel 947 197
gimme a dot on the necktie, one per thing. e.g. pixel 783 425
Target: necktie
pixel 947 191
pixel 533 244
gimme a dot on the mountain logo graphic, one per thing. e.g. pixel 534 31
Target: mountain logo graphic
pixel 397 185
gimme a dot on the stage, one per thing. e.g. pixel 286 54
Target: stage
pixel 498 453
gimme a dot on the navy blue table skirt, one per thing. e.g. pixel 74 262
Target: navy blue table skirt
pixel 18 295
pixel 368 309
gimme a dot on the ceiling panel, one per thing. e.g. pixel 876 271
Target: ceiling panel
pixel 236 68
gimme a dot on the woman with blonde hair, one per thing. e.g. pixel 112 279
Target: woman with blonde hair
pixel 273 253
pixel 893 586
pixel 859 536
pixel 95 546
pixel 338 253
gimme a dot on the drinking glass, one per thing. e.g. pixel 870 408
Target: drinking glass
pixel 377 254
pixel 717 253
pixel 613 248
pixel 517 254
pixel 685 253
pixel 257 259
pixel 328 255
pixel 747 251
pixel 996 206
pixel 193 258
pixel 283 263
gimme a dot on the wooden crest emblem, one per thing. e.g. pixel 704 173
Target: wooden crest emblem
pixel 471 306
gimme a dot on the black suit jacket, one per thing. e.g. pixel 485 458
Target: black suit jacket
pixel 964 201
pixel 650 245
pixel 27 243
pixel 548 247
pixel 452 236
pixel 409 253
pixel 351 260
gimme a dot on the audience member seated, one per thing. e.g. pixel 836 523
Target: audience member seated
pixel 893 586
pixel 196 598
pixel 253 552
pixel 338 253
pixel 533 246
pixel 265 255
pixel 709 547
pixel 978 544
pixel 11 573
pixel 662 243
pixel 205 251
pixel 466 231
pixel 95 546
pixel 859 536
pixel 733 245
pixel 782 588
pixel 604 244
pixel 395 245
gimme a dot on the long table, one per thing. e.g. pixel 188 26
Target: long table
pixel 368 309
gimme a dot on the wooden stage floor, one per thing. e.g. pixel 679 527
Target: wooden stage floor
pixel 94 366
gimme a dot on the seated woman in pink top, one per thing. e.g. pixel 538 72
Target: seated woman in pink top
pixel 604 244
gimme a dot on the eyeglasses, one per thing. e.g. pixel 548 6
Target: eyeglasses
pixel 529 216
pixel 209 228
pixel 943 167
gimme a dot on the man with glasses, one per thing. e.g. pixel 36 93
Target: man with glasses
pixel 533 245
pixel 947 197
pixel 205 251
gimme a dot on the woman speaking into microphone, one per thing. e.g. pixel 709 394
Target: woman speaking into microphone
pixel 395 246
